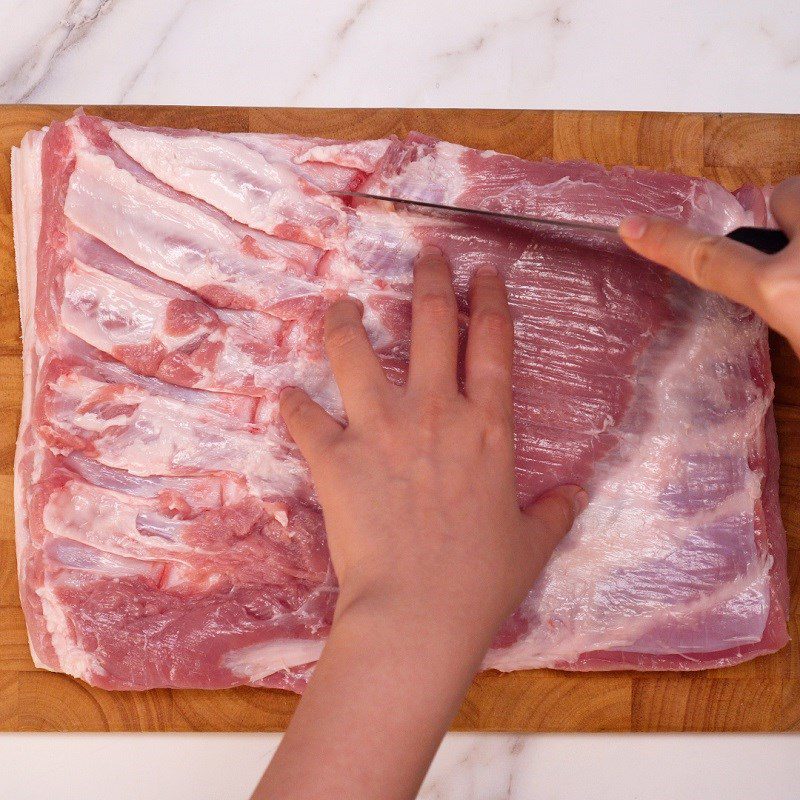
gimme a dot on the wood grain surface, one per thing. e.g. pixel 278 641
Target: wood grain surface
pixel 761 695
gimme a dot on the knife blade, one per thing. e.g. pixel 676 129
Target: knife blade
pixel 766 240
pixel 498 215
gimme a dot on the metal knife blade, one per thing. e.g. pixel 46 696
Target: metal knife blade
pixel 766 240
pixel 498 215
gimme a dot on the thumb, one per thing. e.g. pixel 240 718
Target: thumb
pixel 311 427
pixel 552 514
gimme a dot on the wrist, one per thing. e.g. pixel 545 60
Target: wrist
pixel 424 620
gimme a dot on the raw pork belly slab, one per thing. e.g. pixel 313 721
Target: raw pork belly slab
pixel 172 282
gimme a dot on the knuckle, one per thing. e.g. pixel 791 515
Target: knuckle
pixel 431 411
pixel 563 509
pixel 658 233
pixel 344 453
pixel 786 193
pixel 487 285
pixel 430 261
pixel 497 431
pixel 437 305
pixel 703 258
pixel 432 406
pixel 342 335
pixel 294 406
pixel 769 286
pixel 492 372
pixel 492 322
pixel 776 283
pixel 378 414
pixel 554 510
pixel 430 257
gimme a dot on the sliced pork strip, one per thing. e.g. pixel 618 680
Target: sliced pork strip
pixel 258 548
pixel 26 169
pixel 265 195
pixel 186 342
pixel 91 135
pixel 422 168
pixel 174 240
pixel 125 427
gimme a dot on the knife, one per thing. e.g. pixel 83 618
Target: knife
pixel 767 240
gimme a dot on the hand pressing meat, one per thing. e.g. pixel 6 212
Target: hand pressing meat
pixel 770 285
pixel 430 547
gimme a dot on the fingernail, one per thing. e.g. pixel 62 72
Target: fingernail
pixel 428 251
pixel 633 227
pixel 486 269
pixel 579 501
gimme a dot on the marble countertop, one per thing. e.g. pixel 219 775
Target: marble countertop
pixel 468 767
pixel 684 55
pixel 669 55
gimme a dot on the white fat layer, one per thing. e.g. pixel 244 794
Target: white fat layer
pixel 72 659
pixel 260 661
pixel 174 240
pixel 26 202
pixel 154 435
pixel 228 175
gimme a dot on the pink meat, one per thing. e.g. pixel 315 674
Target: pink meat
pixel 172 282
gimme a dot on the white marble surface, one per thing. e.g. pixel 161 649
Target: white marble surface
pixel 733 55
pixel 728 55
pixel 469 767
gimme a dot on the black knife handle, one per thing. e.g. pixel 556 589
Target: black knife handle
pixel 767 240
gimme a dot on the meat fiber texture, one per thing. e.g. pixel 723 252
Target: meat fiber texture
pixel 172 282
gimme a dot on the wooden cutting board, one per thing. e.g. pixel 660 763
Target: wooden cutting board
pixel 762 695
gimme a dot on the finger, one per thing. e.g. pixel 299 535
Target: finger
pixel 785 205
pixel 434 324
pixel 490 343
pixel 711 262
pixel 355 366
pixel 552 515
pixel 311 427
